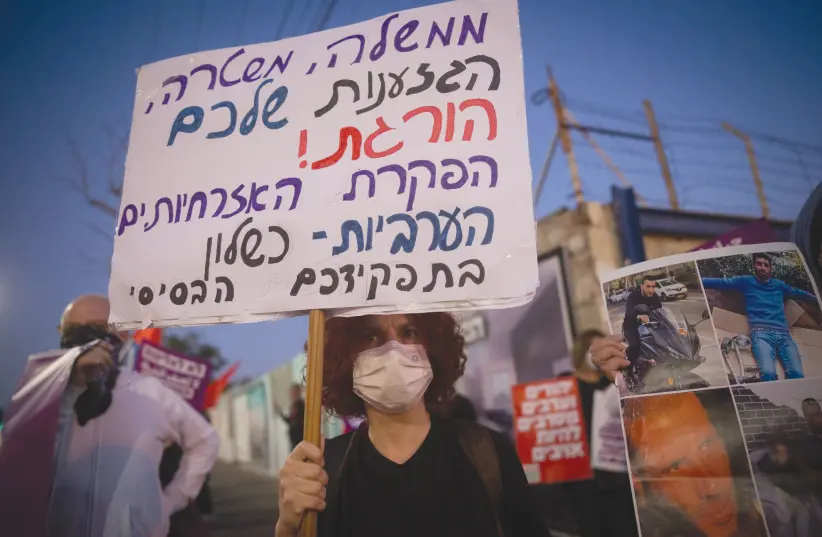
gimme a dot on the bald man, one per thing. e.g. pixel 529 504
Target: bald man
pixel 83 441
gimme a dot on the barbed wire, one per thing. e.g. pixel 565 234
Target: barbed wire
pixel 704 159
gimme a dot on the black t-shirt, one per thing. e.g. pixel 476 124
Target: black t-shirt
pixel 437 492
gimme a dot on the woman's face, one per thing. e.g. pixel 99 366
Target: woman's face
pixel 380 329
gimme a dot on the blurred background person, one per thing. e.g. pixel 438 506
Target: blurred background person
pixel 295 419
pixel 83 444
pixel 189 521
pixel 602 506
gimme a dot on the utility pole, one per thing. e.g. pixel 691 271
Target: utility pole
pixel 760 189
pixel 565 137
pixel 610 164
pixel 552 149
pixel 660 154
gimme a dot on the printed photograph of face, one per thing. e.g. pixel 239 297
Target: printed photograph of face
pixel 782 425
pixel 663 316
pixel 689 467
pixel 766 315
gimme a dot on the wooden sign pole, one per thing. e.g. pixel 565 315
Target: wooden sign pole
pixel 313 398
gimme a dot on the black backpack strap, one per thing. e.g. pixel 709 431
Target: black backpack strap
pixel 478 445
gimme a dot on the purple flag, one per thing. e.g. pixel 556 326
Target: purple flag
pixel 755 232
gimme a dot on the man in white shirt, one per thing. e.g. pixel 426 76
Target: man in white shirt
pixel 108 428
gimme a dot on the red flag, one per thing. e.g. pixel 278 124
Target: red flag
pixel 216 388
pixel 152 335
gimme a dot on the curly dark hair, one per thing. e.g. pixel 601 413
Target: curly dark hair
pixel 439 333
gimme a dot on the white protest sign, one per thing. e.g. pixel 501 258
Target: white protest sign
pixel 378 167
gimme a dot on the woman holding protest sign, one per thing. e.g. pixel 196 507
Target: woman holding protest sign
pixel 406 470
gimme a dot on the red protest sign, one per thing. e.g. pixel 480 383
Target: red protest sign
pixel 550 431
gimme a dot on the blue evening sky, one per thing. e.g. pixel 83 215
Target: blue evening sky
pixel 69 72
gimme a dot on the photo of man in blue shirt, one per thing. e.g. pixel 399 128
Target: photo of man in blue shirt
pixel 765 307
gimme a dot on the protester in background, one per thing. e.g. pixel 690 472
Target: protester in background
pixel 406 471
pixel 189 521
pixel 806 233
pixel 765 296
pixel 83 441
pixel 296 415
pixel 603 506
pixel 644 295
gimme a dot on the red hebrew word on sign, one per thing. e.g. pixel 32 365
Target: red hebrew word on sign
pixel 550 431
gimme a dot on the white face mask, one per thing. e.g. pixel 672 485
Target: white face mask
pixel 393 377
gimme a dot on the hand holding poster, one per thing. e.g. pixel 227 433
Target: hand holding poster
pixel 723 394
pixel 185 375
pixel 550 431
pixel 373 168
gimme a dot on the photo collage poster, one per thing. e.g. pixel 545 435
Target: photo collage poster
pixel 721 404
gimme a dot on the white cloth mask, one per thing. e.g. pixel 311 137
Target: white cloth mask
pixel 393 377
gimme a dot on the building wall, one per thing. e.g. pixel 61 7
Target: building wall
pixel 760 419
pixel 663 245
pixel 221 419
pixel 590 246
